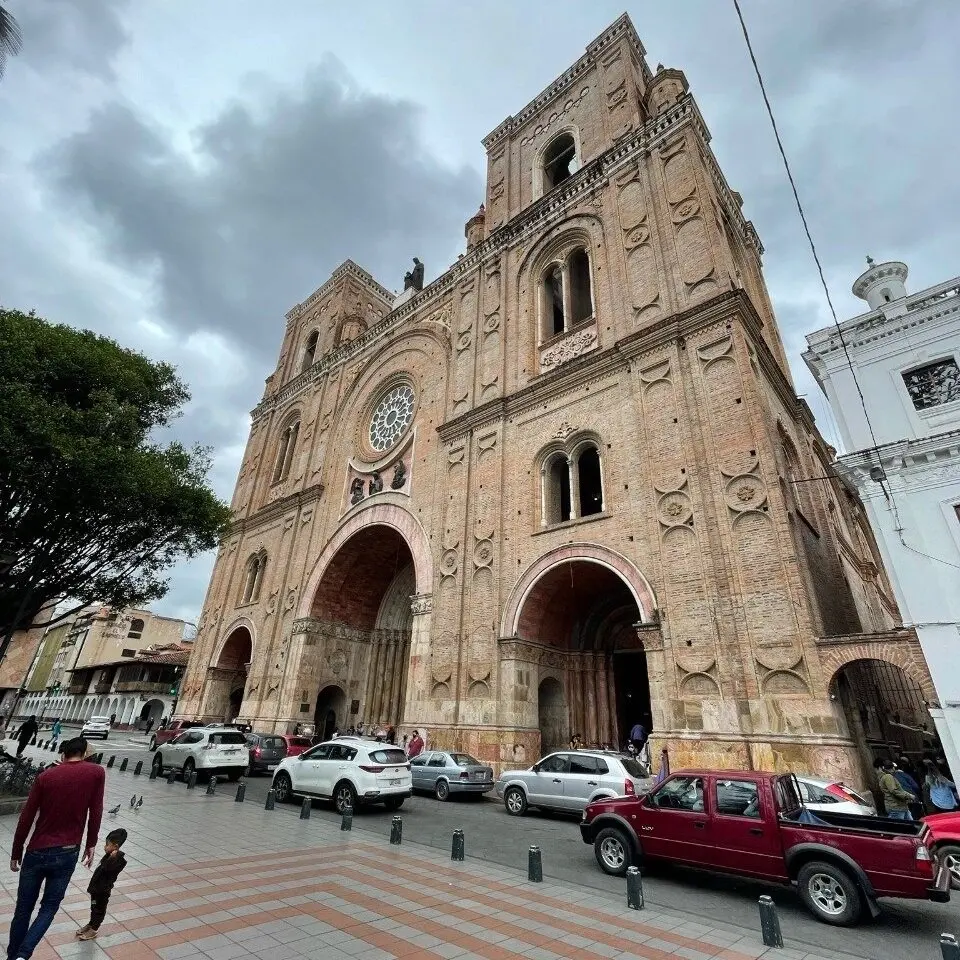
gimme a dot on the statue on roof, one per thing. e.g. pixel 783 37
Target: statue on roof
pixel 414 279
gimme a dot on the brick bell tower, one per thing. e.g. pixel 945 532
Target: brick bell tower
pixel 564 487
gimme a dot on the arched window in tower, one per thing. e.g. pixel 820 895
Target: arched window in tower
pixel 581 299
pixel 555 490
pixel 310 351
pixel 590 481
pixel 559 161
pixel 256 567
pixel 553 312
pixel 285 452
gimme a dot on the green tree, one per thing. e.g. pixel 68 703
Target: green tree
pixel 11 40
pixel 93 508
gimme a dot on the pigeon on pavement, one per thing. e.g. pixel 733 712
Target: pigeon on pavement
pixel 115 810
pixel 133 801
pixel 139 803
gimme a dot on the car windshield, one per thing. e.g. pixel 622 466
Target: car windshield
pixel 388 756
pixel 633 768
pixel 99 720
pixel 299 742
pixel 464 760
pixel 220 739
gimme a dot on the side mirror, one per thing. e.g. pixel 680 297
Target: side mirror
pixel 536 768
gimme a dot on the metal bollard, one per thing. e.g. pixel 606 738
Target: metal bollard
pixel 770 923
pixel 171 775
pixel 241 792
pixel 396 831
pixel 949 947
pixel 40 745
pixel 457 850
pixel 123 764
pixel 534 865
pixel 153 772
pixel 271 800
pixel 346 820
pixel 138 769
pixel 634 889
pixel 305 808
pixel 110 761
pixel 192 780
pixel 212 787
pixel 98 758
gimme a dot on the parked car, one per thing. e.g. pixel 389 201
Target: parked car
pixel 350 772
pixel 172 730
pixel 945 836
pixel 96 727
pixel 834 797
pixel 755 824
pixel 443 773
pixel 571 779
pixel 206 750
pixel 268 749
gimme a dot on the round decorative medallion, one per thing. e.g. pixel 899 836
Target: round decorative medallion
pixel 746 492
pixel 391 418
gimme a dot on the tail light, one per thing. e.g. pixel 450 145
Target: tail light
pixel 370 768
pixel 841 792
pixel 924 861
pixel 256 751
pixel 628 790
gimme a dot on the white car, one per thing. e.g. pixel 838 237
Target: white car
pixel 349 771
pixel 96 727
pixel 834 797
pixel 206 750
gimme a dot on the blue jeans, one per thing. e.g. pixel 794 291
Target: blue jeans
pixel 51 869
pixel 899 815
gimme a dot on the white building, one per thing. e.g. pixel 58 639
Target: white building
pixel 905 459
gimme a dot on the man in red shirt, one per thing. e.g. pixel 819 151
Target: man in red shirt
pixel 64 799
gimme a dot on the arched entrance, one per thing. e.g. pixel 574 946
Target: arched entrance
pixel 151 710
pixel 363 620
pixel 228 675
pixel 582 614
pixel 553 717
pixel 331 712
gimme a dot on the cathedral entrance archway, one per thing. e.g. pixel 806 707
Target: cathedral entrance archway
pixel 330 712
pixel 228 674
pixel 362 612
pixel 582 613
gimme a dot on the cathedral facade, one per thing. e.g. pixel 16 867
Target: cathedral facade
pixel 566 486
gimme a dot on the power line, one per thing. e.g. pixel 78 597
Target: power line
pixel 888 493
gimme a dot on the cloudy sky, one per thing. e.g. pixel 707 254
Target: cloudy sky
pixel 178 174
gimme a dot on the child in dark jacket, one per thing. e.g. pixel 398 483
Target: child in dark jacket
pixel 102 881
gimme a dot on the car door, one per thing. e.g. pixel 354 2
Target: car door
pixel 580 781
pixel 741 833
pixel 673 822
pixel 336 766
pixel 435 769
pixel 545 781
pixel 419 772
pixel 307 771
pixel 176 751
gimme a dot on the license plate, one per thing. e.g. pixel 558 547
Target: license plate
pixel 394 783
pixel 230 750
pixel 271 767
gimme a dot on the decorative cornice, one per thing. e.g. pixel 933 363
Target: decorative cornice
pixel 274 510
pixel 621 27
pixel 346 269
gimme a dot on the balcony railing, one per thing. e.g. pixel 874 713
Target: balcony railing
pixel 78 689
pixel 105 687
pixel 141 686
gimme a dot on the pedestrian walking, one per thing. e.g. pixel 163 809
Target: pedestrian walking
pixel 415 746
pixel 638 735
pixel 102 881
pixel 896 800
pixel 942 792
pixel 28 730
pixel 149 726
pixel 57 729
pixel 64 799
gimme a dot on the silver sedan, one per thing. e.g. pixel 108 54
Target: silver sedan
pixel 443 773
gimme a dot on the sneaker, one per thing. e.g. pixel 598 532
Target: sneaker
pixel 83 930
pixel 88 934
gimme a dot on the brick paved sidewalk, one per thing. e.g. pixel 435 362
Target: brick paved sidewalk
pixel 210 878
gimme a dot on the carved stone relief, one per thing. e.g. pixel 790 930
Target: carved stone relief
pixel 573 346
pixel 554 118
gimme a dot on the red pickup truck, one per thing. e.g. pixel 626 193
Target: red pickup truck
pixel 173 729
pixel 945 841
pixel 754 824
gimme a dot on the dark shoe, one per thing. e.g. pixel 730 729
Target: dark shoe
pixel 88 934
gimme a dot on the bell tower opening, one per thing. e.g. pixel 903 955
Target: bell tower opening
pixel 600 688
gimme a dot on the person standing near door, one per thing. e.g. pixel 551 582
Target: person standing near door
pixel 64 800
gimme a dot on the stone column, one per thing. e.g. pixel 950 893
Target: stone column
pixel 574 488
pixel 603 485
pixel 396 681
pixel 590 696
pixel 618 736
pixel 603 707
pixel 417 685
pixel 543 495
pixel 373 665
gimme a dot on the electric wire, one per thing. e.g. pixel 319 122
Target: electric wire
pixel 888 492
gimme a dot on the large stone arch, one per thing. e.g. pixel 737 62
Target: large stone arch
pixel 899 647
pixel 582 552
pixel 239 622
pixel 383 514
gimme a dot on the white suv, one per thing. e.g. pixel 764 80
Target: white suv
pixel 96 727
pixel 205 750
pixel 349 771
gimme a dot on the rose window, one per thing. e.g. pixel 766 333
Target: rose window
pixel 391 418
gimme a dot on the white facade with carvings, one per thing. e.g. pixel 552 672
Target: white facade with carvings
pixel 905 462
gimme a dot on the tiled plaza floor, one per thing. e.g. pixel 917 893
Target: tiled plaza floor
pixel 211 878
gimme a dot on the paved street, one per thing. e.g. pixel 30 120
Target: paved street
pixel 905 931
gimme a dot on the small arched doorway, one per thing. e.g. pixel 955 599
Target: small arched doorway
pixel 151 710
pixel 229 675
pixel 552 711
pixel 584 610
pixel 330 713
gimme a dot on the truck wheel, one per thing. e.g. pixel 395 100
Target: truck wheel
pixel 830 894
pixel 613 852
pixel 950 855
